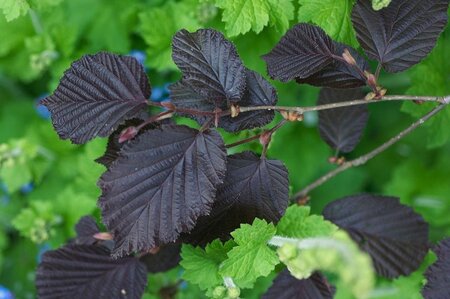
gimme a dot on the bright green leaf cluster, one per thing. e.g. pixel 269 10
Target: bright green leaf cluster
pixel 241 16
pixel 336 254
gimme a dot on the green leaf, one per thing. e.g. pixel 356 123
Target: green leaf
pixel 242 16
pixel 252 257
pixel 431 78
pixel 297 223
pixel 13 9
pixel 333 16
pixel 202 266
pixel 379 4
pixel 170 18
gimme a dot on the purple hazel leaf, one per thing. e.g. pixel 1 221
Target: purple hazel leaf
pixel 402 34
pixel 342 128
pixel 340 74
pixel 162 181
pixel 165 258
pixel 96 94
pixel 89 272
pixel 438 274
pixel 253 188
pixel 391 233
pixel 210 64
pixel 286 286
pixel 303 51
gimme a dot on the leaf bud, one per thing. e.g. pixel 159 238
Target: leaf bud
pixel 348 57
pixel 128 134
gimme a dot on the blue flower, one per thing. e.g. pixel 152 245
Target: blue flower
pixel 41 110
pixel 5 293
pixel 139 55
pixel 157 94
pixel 27 188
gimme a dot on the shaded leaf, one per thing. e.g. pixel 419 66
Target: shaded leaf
pixel 80 271
pixel 210 64
pixel 342 128
pixel 258 92
pixel 161 183
pixel 253 188
pixel 167 257
pixel 438 274
pixel 393 234
pixel 86 228
pixel 96 94
pixel 286 286
pixel 339 74
pixel 402 34
pixel 303 51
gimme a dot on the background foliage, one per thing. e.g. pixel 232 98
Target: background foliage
pixel 46 184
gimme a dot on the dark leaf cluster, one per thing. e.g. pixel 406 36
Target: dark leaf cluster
pixel 167 183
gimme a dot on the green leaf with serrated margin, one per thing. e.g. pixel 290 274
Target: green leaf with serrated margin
pixel 298 223
pixel 202 265
pixel 333 16
pixel 252 257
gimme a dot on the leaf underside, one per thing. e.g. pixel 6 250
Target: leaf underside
pixel 253 188
pixel 342 128
pixel 210 64
pixel 259 92
pixel 161 183
pixel 81 271
pixel 339 74
pixel 96 94
pixel 402 34
pixel 438 274
pixel 167 257
pixel 286 286
pixel 391 233
pixel 303 51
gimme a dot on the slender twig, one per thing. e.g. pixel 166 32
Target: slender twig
pixel 257 136
pixel 154 118
pixel 363 159
pixel 302 110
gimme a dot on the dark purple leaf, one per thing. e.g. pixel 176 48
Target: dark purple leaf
pixel 81 271
pixel 210 64
pixel 402 34
pixel 253 188
pixel 259 92
pixel 96 94
pixel 113 147
pixel 86 228
pixel 161 183
pixel 391 233
pixel 286 286
pixel 167 257
pixel 438 274
pixel 340 74
pixel 303 51
pixel 342 128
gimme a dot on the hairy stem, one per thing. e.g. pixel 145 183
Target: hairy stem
pixel 302 110
pixel 363 159
pixel 257 136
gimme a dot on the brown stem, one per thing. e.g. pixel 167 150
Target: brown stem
pixel 363 159
pixel 302 110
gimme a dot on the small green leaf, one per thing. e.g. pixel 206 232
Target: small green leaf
pixel 202 266
pixel 298 223
pixel 379 4
pixel 252 257
pixel 241 16
pixel 333 16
